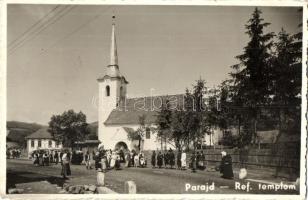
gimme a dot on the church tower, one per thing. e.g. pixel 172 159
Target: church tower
pixel 112 88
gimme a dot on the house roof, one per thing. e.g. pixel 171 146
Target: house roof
pixel 131 109
pixel 42 133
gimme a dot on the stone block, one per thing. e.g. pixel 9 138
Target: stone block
pixel 92 188
pixel 105 190
pixel 71 189
pixel 100 178
pixel 13 191
pixel 86 187
pixel 62 192
pixel 130 187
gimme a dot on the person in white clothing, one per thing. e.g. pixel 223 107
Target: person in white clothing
pixel 183 161
pixel 136 161
pixel 113 159
pixel 66 170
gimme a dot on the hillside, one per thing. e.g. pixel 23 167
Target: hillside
pixel 93 127
pixel 17 131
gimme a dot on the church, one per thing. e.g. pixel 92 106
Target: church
pixel 118 116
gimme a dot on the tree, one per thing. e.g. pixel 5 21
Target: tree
pixel 180 126
pixel 286 73
pixel 68 127
pixel 163 122
pixel 251 77
pixel 195 119
pixel 228 139
pixel 140 132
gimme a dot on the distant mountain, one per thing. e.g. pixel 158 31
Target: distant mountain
pixel 17 131
pixel 93 127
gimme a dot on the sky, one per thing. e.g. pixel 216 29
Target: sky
pixel 161 50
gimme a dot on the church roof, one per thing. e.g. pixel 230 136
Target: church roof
pixel 129 130
pixel 42 133
pixel 131 109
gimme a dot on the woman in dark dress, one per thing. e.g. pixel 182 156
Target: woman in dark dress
pixel 178 159
pixel 117 164
pixel 171 158
pixel 226 166
pixel 201 161
pixel 166 159
pixel 153 159
pixel 56 157
pixel 193 160
pixel 36 159
pixel 159 159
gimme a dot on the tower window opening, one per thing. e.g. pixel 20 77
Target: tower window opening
pixel 107 90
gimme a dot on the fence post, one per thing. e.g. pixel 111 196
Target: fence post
pixel 100 178
pixel 130 187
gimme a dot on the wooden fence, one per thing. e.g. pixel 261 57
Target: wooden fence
pixel 283 159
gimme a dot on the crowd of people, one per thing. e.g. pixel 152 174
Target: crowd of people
pixel 46 157
pixel 108 159
pixel 120 158
pixel 13 153
pixel 168 159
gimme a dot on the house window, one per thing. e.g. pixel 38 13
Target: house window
pixel 32 143
pixel 39 143
pixel 147 133
pixel 107 90
pixel 49 143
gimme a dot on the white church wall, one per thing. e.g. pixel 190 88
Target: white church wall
pixel 115 133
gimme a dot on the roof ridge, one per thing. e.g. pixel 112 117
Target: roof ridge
pixel 41 133
pixel 157 96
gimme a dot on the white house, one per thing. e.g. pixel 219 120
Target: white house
pixel 41 139
pixel 119 115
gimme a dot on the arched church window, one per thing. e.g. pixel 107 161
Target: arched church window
pixel 148 133
pixel 107 90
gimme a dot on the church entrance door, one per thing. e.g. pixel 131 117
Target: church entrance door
pixel 121 145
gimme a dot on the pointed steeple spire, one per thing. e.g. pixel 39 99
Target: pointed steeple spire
pixel 113 49
pixel 113 67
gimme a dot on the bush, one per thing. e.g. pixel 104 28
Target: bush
pixel 228 139
pixel 77 158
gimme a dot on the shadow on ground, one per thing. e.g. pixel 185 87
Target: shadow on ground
pixel 14 178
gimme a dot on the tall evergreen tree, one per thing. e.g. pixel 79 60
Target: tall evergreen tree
pixel 251 80
pixel 196 118
pixel 286 76
pixel 180 128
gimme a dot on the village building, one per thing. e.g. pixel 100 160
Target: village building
pixel 41 139
pixel 119 116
